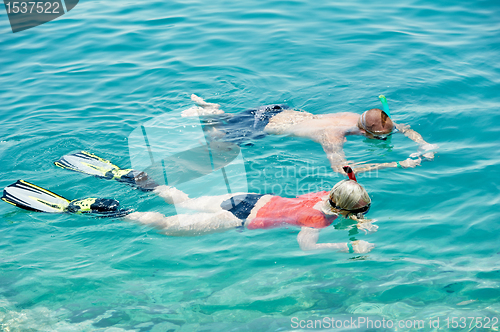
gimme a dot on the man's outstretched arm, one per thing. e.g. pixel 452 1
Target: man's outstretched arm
pixel 333 146
pixel 335 154
pixel 425 149
pixel 408 163
pixel 410 133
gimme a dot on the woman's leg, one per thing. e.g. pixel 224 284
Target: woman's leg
pixel 188 224
pixel 172 195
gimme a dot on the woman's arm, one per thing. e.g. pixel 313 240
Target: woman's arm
pixel 308 240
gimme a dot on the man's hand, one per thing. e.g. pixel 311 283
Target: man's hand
pixel 362 247
pixel 410 163
pixel 425 150
pixel 429 156
pixel 402 127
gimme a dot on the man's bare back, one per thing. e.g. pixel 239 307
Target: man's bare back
pixel 304 124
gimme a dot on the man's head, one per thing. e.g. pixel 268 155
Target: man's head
pixel 375 123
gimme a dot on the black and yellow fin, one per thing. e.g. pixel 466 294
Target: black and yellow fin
pixel 88 163
pixel 104 207
pixel 31 197
pixel 34 198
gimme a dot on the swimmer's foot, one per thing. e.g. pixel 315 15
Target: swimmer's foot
pixel 200 111
pixel 201 108
pixel 202 103
pixel 362 247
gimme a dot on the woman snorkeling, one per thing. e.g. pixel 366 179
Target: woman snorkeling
pixel 311 212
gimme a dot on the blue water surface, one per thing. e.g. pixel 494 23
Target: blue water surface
pixel 88 79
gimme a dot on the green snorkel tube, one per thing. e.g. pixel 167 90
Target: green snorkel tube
pixel 386 106
pixel 388 112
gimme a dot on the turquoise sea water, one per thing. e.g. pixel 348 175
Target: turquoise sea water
pixel 89 78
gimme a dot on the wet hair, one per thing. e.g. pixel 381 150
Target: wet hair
pixel 375 121
pixel 347 195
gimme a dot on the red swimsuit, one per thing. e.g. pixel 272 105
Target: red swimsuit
pixel 297 211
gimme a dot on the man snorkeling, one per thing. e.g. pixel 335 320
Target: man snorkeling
pixel 329 130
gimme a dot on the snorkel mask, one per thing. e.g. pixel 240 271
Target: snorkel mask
pixel 375 134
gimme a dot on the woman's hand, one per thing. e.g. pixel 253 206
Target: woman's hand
pixel 367 227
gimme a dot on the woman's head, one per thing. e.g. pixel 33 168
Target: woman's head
pixel 350 197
